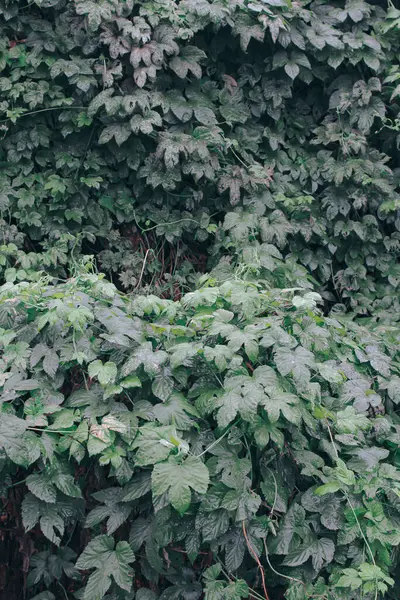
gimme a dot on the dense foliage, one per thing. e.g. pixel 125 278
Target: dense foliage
pixel 228 435
pixel 134 129
pixel 230 441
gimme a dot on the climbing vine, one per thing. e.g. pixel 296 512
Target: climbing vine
pixel 235 443
pixel 164 136
pixel 198 203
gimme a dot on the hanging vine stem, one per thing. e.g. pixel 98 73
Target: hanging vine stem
pixel 349 501
pixel 42 110
pixel 143 267
pixel 271 514
pixel 169 222
pixel 218 440
pixel 231 577
pixel 352 508
pixel 287 577
pixel 254 553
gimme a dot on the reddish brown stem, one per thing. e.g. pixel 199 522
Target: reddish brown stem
pixel 254 553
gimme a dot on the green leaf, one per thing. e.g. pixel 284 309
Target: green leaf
pixel 64 419
pixel 344 475
pixel 292 69
pixel 242 395
pixel 360 391
pixel 188 61
pixel 329 508
pixel 282 403
pixel 121 571
pixel 350 579
pixel 182 354
pixel 297 557
pixel 140 532
pixel 120 132
pixel 114 511
pixel 322 552
pixel 163 385
pixel 213 524
pixel 94 12
pixel 393 389
pixel 105 373
pixel 12 430
pixel 330 373
pixel 177 477
pixel 80 317
pixel 42 487
pixel 328 488
pixel 293 521
pixel 97 585
pixel 130 382
pixel 229 403
pixel 176 410
pixel 366 459
pixel 137 487
pixel 50 516
pixel 295 362
pixel 379 361
pixel 370 572
pixel 50 363
pixel 234 550
pixel 108 562
pixel 144 355
pixel 30 511
pixel 150 448
pixel 349 421
pixel 66 484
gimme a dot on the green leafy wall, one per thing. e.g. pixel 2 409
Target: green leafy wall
pixel 162 136
pixel 233 444
pixel 228 435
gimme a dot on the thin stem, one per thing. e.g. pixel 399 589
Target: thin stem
pixel 50 430
pixel 254 553
pixel 353 510
pixel 271 514
pixel 168 223
pixel 63 589
pixel 35 112
pixel 17 483
pixel 348 499
pixel 165 224
pixel 217 441
pixel 230 577
pixel 287 576
pixel 143 267
pixel 238 158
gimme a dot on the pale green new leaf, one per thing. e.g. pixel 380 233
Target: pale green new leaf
pixel 106 373
pixel 349 421
pixel 144 355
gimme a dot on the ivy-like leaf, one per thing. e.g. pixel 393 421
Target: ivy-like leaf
pixel 177 477
pixel 108 561
pixel 106 373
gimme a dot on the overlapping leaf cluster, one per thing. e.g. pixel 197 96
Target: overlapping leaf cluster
pixel 236 442
pixel 171 449
pixel 134 129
